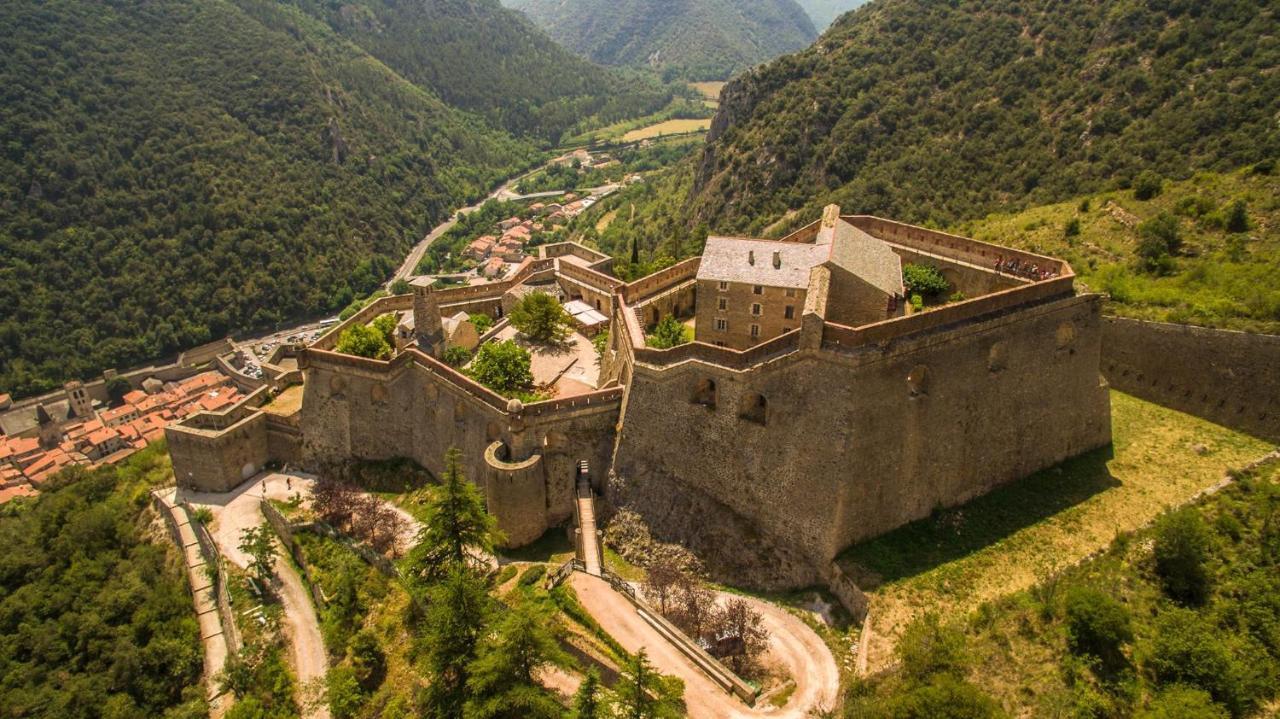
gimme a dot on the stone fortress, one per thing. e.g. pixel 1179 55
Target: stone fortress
pixel 814 409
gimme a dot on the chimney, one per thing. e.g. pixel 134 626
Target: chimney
pixel 751 257
pixel 777 260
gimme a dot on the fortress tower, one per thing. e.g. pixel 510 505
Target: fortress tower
pixel 426 317
pixel 78 398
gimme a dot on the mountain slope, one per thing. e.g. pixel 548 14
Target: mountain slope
pixel 696 39
pixel 173 171
pixel 933 112
pixel 825 12
pixel 480 56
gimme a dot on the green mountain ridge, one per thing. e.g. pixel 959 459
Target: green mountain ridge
pixel 938 112
pixel 175 171
pixel 825 12
pixel 692 39
pixel 479 56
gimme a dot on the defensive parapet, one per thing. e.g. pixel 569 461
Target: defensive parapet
pixel 516 494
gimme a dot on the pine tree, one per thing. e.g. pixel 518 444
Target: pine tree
pixel 456 613
pixel 645 694
pixel 586 703
pixel 502 683
pixel 458 531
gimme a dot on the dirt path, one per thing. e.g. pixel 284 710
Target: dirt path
pixel 792 644
pixel 240 510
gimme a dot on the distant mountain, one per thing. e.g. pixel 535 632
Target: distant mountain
pixel 942 111
pixel 825 12
pixel 479 56
pixel 693 39
pixel 176 170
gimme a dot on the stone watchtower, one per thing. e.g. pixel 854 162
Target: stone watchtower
pixel 426 317
pixel 78 398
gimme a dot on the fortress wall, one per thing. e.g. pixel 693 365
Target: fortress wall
pixel 1231 378
pixel 511 489
pixel 646 286
pixel 418 408
pixel 367 314
pixel 218 460
pixel 856 443
pixel 491 306
pixel 982 254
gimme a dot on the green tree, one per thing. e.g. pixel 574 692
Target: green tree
pixel 368 661
pixel 541 318
pixel 1147 185
pixel 401 287
pixel 924 280
pixel 482 322
pixel 364 341
pixel 260 544
pixel 1073 227
pixel 457 609
pixel 1186 650
pixel 117 388
pixel 343 693
pixel 601 343
pixel 587 702
pixel 1097 625
pixel 1181 550
pixel 502 680
pixel 386 326
pixel 458 532
pixel 504 367
pixel 945 698
pixel 1238 217
pixel 667 333
pixel 642 693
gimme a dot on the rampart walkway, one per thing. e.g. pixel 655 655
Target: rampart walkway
pixel 587 526
pixel 211 634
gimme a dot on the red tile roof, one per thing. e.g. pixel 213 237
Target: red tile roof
pixel 22 490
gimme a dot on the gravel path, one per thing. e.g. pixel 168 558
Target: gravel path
pixel 792 644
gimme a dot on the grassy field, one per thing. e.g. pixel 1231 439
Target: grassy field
pixel 1015 536
pixel 1218 278
pixel 710 92
pixel 669 127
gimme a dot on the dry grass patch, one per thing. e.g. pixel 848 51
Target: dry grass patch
pixel 709 90
pixel 1015 536
pixel 670 127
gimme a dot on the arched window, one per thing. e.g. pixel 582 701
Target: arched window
pixel 755 408
pixel 705 393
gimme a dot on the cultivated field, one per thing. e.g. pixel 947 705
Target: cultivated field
pixel 1023 532
pixel 670 127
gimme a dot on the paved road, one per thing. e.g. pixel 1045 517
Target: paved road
pixel 240 510
pixel 806 658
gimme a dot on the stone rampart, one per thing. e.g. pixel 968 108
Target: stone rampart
pixel 634 292
pixel 215 458
pixel 982 254
pixel 768 482
pixel 367 314
pixel 205 353
pixel 1231 378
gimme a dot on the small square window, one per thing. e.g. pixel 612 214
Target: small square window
pixel 724 304
pixel 791 292
pixel 724 286
pixel 722 324
pixel 789 312
pixel 755 310
pixel 755 330
pixel 757 290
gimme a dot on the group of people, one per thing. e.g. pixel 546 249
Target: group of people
pixel 1015 266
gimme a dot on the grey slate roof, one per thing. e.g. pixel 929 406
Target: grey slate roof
pixel 728 259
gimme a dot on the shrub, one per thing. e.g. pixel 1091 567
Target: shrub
pixel 1147 185
pixel 400 287
pixel 386 325
pixel 1238 217
pixel 364 341
pixel 928 648
pixel 1085 205
pixel 503 367
pixel 924 280
pixel 917 303
pixel 482 322
pixel 1097 625
pixel 1181 549
pixel 532 575
pixel 1158 238
pixel 368 661
pixel 1073 227
pixel 343 694
pixel 947 698
pixel 541 318
pixel 1187 650
pixel 1265 167
pixel 1179 702
pixel 457 356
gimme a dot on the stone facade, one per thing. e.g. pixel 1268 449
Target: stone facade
pixel 737 315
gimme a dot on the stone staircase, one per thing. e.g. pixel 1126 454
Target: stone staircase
pixel 591 556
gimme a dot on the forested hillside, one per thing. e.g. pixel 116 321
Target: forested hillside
pixel 691 39
pixel 173 171
pixel 935 112
pixel 480 56
pixel 95 618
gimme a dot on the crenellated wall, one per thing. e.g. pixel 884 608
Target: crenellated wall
pixel 1231 378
